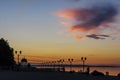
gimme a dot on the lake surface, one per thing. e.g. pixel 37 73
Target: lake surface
pixel 112 70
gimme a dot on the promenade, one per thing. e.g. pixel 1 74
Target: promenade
pixel 9 75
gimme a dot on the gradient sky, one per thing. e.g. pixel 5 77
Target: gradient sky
pixel 33 27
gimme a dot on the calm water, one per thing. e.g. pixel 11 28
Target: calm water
pixel 111 70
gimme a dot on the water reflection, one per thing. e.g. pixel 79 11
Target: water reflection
pixel 111 70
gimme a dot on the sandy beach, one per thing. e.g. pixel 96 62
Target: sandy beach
pixel 9 75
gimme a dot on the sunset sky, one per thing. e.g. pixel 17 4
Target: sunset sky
pixel 63 28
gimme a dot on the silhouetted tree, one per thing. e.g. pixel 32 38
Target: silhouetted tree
pixel 6 54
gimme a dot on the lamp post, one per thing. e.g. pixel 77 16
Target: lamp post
pixel 70 60
pixel 58 64
pixel 53 64
pixel 83 59
pixel 61 60
pixel 18 55
pixel 62 66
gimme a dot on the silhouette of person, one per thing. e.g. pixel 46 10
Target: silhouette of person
pixel 88 70
pixel 28 65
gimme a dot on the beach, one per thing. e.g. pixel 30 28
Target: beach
pixel 12 75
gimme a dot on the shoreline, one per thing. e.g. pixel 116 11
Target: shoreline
pixel 13 75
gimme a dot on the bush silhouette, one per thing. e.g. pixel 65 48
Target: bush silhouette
pixel 97 73
pixel 118 74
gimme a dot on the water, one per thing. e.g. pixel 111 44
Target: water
pixel 112 70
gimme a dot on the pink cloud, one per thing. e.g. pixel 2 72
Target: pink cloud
pixel 90 20
pixel 79 37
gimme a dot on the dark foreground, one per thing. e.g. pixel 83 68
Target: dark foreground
pixel 9 75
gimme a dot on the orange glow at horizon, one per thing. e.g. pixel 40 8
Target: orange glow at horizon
pixel 97 53
pixel 92 59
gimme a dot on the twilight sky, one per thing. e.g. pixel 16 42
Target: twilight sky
pixel 63 28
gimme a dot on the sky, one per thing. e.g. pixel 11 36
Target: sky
pixel 63 28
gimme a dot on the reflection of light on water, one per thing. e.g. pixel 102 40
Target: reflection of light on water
pixel 111 70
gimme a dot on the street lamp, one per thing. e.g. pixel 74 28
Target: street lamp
pixel 18 55
pixel 58 64
pixel 83 59
pixel 70 60
pixel 53 64
pixel 61 60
